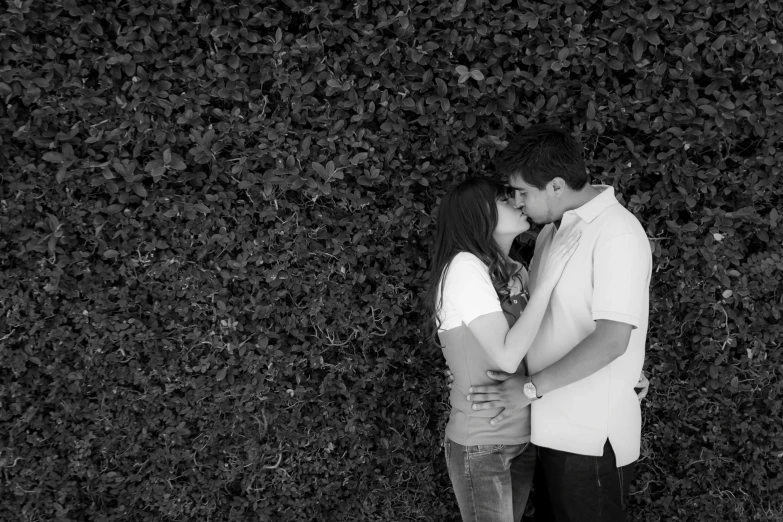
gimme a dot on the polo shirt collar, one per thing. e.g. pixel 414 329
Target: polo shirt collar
pixel 593 208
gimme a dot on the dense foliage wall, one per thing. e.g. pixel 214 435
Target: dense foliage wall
pixel 215 219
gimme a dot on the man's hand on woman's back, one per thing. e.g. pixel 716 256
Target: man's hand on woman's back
pixel 495 400
pixel 642 386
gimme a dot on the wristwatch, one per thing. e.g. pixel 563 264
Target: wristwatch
pixel 530 389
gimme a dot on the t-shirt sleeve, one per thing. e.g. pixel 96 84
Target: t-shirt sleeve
pixel 621 279
pixel 468 292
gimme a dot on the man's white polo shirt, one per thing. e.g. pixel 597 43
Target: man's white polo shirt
pixel 608 277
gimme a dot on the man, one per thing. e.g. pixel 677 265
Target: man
pixel 589 351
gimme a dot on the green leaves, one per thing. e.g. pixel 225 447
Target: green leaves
pixel 717 45
pixel 465 74
pixel 638 49
pixel 221 374
pixel 219 31
pixel 166 161
pixel 308 88
pixel 173 161
pixel 327 172
pixel 652 37
pixel 224 212
pixel 54 157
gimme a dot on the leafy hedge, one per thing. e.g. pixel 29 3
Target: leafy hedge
pixel 215 225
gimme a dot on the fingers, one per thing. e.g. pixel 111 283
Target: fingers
pixel 569 244
pixel 642 387
pixel 499 418
pixel 572 247
pixel 566 253
pixel 641 392
pixel 573 238
pixel 498 376
pixel 489 388
pixel 488 405
pixel 449 378
pixel 483 397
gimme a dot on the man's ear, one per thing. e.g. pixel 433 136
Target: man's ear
pixel 556 187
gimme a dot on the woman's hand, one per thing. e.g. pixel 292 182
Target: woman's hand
pixel 642 387
pixel 558 258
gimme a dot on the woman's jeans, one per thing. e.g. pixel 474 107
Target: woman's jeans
pixel 491 482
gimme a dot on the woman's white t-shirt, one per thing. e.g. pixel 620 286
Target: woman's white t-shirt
pixel 468 292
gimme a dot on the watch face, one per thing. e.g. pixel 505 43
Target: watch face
pixel 530 390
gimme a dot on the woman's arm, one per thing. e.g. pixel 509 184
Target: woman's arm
pixel 508 347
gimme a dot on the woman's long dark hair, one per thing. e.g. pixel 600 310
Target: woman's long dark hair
pixel 466 219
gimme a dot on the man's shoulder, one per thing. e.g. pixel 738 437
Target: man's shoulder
pixel 618 220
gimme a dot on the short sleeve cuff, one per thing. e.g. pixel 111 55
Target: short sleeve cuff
pixel 468 292
pixel 615 316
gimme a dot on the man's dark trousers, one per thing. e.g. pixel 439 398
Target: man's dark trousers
pixel 570 487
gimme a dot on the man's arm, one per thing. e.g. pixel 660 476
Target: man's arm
pixel 621 269
pixel 608 341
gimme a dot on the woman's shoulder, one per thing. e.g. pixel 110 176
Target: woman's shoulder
pixel 466 266
pixel 467 259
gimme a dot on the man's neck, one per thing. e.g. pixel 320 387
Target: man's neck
pixel 578 198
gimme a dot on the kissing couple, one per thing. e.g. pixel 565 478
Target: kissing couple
pixel 545 362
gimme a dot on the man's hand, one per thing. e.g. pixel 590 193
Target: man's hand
pixel 508 394
pixel 642 387
pixel 449 377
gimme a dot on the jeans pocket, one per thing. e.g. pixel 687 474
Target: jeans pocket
pixel 485 449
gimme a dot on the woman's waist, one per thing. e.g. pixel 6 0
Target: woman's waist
pixel 459 403
pixel 470 428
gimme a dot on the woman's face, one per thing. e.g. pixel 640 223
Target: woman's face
pixel 511 220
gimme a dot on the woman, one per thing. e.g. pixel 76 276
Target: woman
pixel 485 321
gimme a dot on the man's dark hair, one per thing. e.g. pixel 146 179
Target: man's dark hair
pixel 541 153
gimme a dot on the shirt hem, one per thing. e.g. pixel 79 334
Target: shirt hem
pixel 616 316
pixel 487 442
pixel 582 447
